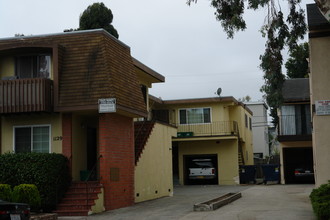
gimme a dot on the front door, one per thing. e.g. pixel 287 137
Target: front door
pixel 92 152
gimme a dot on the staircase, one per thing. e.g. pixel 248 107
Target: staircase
pixel 240 159
pixel 79 199
pixel 142 132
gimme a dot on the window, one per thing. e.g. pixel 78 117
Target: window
pixel 195 115
pixel 246 121
pixel 32 139
pixel 36 66
pixel 296 120
pixel 250 123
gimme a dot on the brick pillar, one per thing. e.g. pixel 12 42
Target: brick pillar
pixel 116 145
pixel 67 137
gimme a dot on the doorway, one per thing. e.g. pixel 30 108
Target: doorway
pixel 92 152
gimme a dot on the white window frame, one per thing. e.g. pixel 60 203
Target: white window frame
pixel 31 126
pixel 179 119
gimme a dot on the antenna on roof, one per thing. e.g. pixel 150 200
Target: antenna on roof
pixel 219 90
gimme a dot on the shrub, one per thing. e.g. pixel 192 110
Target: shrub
pixel 5 192
pixel 27 193
pixel 320 199
pixel 49 172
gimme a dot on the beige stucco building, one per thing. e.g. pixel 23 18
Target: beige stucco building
pixel 295 132
pixel 215 129
pixel 319 42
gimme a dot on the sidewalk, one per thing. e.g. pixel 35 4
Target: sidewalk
pixel 289 202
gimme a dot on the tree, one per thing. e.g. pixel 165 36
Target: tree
pixel 280 33
pixel 297 64
pixel 246 98
pixel 96 16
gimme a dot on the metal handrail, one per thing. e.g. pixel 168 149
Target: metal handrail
pixel 88 177
pixel 213 128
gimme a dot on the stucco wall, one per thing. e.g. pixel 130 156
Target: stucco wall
pixel 8 122
pixel 320 90
pixel 7 66
pixel 260 128
pixel 153 172
pixel 227 154
pixel 219 111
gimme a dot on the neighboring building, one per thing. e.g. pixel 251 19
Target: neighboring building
pixel 212 133
pixel 319 43
pixel 294 131
pixel 274 148
pixel 51 92
pixel 259 128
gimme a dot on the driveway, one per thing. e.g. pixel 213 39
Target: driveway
pixel 289 202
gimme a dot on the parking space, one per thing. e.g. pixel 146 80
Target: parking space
pixel 298 165
pixel 201 169
pixel 288 202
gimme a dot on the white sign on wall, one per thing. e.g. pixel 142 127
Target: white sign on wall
pixel 322 107
pixel 107 105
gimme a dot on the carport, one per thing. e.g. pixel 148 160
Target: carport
pixel 189 163
pixel 294 158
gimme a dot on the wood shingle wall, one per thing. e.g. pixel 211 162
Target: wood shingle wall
pixel 87 66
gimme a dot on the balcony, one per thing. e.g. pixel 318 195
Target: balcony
pixel 219 128
pixel 26 95
pixel 295 128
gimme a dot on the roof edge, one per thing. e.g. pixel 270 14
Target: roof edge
pixel 101 30
pixel 148 70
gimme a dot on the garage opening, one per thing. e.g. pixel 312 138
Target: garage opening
pixel 200 169
pixel 298 165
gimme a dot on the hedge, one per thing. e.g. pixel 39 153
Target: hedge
pixel 49 172
pixel 5 192
pixel 27 193
pixel 320 199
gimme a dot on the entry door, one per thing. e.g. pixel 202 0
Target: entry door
pixel 91 150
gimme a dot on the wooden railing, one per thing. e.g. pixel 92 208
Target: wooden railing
pixel 26 95
pixel 210 129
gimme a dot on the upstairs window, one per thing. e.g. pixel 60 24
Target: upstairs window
pixel 35 66
pixel 32 139
pixel 295 120
pixel 195 115
pixel 246 121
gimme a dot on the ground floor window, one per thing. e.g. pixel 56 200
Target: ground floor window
pixel 33 138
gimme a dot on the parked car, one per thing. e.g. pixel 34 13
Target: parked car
pixel 14 211
pixel 202 169
pixel 302 174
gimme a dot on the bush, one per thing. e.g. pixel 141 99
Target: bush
pixel 49 172
pixel 5 192
pixel 27 193
pixel 320 199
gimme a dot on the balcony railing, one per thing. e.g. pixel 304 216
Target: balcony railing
pixel 26 95
pixel 219 128
pixel 295 125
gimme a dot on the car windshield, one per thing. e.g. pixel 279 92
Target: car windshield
pixel 202 164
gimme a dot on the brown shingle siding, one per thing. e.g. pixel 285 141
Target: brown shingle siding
pixel 91 65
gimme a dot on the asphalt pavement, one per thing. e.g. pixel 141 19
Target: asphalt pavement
pixel 283 202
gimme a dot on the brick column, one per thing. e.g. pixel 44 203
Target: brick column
pixel 67 137
pixel 116 145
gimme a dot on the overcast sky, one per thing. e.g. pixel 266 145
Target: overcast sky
pixel 185 44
